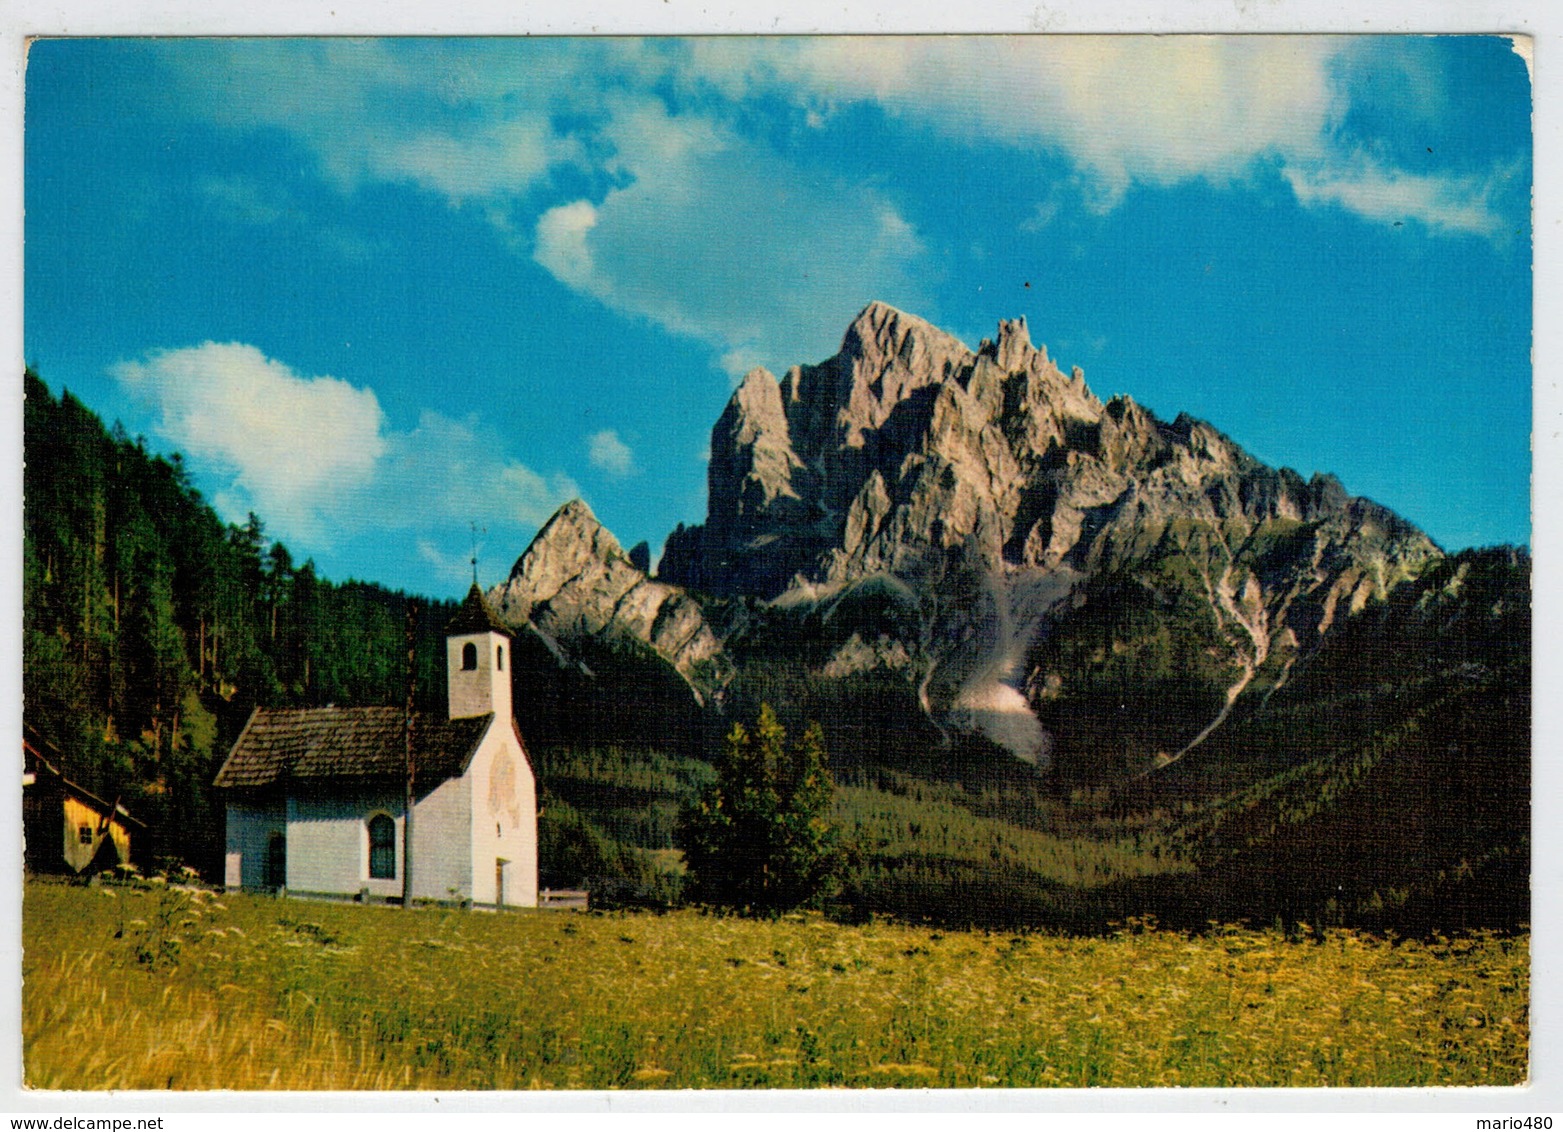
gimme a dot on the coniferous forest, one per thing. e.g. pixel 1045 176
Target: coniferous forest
pixel 151 628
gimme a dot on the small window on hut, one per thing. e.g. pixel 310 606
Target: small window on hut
pixel 469 656
pixel 84 834
pixel 382 848
pixel 499 658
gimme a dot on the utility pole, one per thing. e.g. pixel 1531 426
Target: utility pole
pixel 412 684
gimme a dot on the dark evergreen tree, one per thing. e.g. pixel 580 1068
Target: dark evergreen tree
pixel 759 838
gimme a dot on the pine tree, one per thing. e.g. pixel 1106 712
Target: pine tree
pixel 759 838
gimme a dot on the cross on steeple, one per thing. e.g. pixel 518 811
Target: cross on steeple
pixel 476 531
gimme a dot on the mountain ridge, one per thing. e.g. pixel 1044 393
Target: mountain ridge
pixel 908 455
pixel 996 493
pixel 1378 776
pixel 574 580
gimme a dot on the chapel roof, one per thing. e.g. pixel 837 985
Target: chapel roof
pixel 475 616
pixel 281 745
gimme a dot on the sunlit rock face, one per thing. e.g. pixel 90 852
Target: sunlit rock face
pixel 917 507
pixel 574 581
pixel 996 487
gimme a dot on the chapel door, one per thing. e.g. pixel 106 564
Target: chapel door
pixel 499 881
pixel 277 861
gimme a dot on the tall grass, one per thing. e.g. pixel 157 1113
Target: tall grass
pixel 155 988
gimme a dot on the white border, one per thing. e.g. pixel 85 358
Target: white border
pixel 1540 19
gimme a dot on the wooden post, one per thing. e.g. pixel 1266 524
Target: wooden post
pixel 412 623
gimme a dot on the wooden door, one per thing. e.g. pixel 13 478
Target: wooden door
pixel 277 861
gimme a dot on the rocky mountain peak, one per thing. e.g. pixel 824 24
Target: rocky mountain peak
pixel 886 356
pixel 945 512
pixel 754 415
pixel 1013 350
pixel 909 456
pixel 904 440
pixel 575 583
pixel 753 465
pixel 881 336
pixel 570 540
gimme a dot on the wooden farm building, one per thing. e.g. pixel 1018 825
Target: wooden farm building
pixel 69 829
pixel 316 798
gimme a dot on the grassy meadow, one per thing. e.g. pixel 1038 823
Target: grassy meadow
pixel 153 987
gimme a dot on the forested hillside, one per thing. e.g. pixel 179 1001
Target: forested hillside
pixel 1383 784
pixel 151 628
pixel 1386 786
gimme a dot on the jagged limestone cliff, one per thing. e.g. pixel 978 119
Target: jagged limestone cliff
pixel 997 489
pixel 574 581
pixel 961 516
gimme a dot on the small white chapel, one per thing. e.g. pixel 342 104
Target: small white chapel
pixel 316 798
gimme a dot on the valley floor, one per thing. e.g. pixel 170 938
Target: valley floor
pixel 152 987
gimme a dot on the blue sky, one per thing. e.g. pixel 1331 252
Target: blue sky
pixel 377 290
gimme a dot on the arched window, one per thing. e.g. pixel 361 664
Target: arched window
pixel 382 848
pixel 469 657
pixel 499 658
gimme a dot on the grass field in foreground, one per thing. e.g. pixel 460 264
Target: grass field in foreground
pixel 153 988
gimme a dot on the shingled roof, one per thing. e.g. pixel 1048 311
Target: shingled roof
pixel 475 616
pixel 42 770
pixel 288 744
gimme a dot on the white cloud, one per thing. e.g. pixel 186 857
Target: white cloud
pixel 561 246
pixel 448 567
pixel 446 470
pixel 463 120
pixel 1444 204
pixel 634 172
pixel 678 218
pixel 721 238
pixel 610 454
pixel 738 361
pixel 1154 110
pixel 477 119
pixel 314 458
pixel 1157 108
pixel 289 443
pixel 242 199
pixel 499 158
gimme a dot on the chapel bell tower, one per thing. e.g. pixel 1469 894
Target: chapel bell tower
pixel 478 660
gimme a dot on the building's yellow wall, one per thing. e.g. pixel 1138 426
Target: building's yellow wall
pixel 79 854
